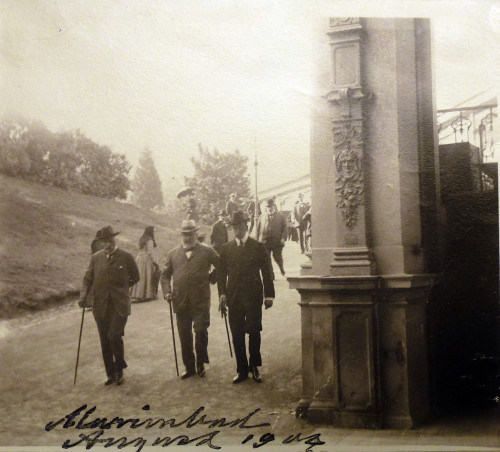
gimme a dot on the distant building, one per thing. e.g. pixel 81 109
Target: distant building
pixel 475 121
pixel 286 194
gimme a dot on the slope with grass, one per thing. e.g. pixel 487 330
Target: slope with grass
pixel 45 236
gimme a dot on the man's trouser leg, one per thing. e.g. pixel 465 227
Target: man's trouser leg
pixel 185 329
pixel 115 335
pixel 237 325
pixel 107 354
pixel 278 257
pixel 254 349
pixel 201 322
pixel 253 327
pixel 268 249
pixel 302 231
pixel 111 330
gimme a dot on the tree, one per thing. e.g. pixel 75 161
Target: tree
pixel 67 160
pixel 146 185
pixel 216 176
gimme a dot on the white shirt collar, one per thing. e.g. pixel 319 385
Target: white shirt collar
pixel 243 240
pixel 110 253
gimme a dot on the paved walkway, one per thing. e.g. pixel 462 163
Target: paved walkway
pixel 36 387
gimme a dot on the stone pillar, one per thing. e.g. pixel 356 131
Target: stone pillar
pixel 363 296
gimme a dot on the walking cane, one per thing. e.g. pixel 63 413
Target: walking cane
pixel 79 342
pixel 227 332
pixel 173 337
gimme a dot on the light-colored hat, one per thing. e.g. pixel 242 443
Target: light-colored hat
pixel 188 226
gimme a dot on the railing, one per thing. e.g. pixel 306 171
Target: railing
pixel 473 125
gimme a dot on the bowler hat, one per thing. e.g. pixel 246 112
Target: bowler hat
pixel 105 233
pixel 188 226
pixel 239 217
pixel 270 202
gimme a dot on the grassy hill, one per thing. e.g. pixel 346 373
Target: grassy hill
pixel 45 236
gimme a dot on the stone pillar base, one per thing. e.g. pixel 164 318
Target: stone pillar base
pixel 364 350
pixel 325 413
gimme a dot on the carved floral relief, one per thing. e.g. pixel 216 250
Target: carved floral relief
pixel 349 186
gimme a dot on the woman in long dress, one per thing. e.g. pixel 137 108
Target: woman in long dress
pixel 147 287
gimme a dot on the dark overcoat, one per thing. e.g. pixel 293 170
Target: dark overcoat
pixel 218 236
pixel 190 287
pixel 239 273
pixel 110 280
pixel 271 230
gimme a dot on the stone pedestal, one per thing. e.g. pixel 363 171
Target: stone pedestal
pixel 364 293
pixel 364 350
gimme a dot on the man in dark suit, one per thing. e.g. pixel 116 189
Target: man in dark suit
pixel 300 220
pixel 111 272
pixel 253 214
pixel 272 232
pixel 219 233
pixel 188 265
pixel 242 289
pixel 231 205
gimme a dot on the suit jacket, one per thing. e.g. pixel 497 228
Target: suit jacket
pixel 299 211
pixel 110 280
pixel 239 273
pixel 219 235
pixel 190 287
pixel 231 206
pixel 273 230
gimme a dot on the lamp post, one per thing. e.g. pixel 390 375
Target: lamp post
pixel 256 209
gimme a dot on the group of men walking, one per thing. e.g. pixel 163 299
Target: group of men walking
pixel 244 276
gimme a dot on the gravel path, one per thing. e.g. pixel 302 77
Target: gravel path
pixel 38 354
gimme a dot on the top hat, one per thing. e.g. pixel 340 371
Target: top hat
pixel 105 233
pixel 239 217
pixel 270 202
pixel 188 226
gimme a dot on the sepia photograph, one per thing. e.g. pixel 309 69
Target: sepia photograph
pixel 237 225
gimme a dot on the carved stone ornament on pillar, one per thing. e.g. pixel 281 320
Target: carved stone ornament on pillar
pixel 348 160
pixel 346 97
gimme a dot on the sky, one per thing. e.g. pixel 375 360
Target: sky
pixel 229 74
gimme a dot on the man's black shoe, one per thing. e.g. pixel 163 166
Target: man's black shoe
pixel 119 377
pixel 239 378
pixel 200 370
pixel 187 374
pixel 110 380
pixel 256 375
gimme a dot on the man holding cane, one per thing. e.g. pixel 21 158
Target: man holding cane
pixel 243 290
pixel 185 283
pixel 111 272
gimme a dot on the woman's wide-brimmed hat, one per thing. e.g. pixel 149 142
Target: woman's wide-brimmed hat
pixel 106 233
pixel 188 226
pixel 185 192
pixel 239 217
